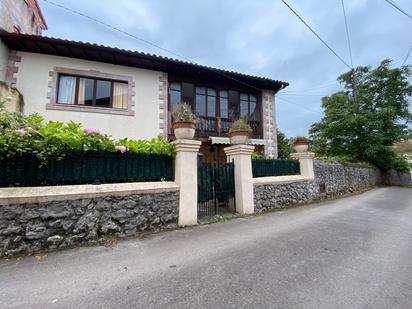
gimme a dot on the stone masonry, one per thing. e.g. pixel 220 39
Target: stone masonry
pixel 269 124
pixel 330 179
pixel 50 225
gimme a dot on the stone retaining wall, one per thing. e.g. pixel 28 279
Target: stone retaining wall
pixel 330 179
pixel 334 178
pixel 30 227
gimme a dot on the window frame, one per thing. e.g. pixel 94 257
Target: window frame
pixel 76 90
pixel 53 85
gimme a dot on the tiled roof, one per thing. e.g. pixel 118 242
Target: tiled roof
pixel 102 53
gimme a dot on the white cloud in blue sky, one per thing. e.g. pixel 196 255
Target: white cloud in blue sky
pixel 255 37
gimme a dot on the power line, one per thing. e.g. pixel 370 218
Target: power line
pixel 300 106
pixel 145 41
pixel 347 33
pixel 407 55
pixel 314 32
pixel 327 85
pixel 303 95
pixel 399 8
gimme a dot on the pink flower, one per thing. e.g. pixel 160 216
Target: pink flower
pixel 22 132
pixel 90 131
pixel 121 148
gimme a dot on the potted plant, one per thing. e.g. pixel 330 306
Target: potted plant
pixel 184 121
pixel 301 144
pixel 240 131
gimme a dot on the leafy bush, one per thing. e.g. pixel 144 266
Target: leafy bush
pixel 20 134
pixel 242 124
pixel 256 155
pixel 183 113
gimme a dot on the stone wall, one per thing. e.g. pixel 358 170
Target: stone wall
pixel 393 178
pixel 31 227
pixel 330 179
pixel 283 194
pixel 334 178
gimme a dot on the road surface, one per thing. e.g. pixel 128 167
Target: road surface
pixel 354 252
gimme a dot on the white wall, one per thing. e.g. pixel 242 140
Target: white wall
pixel 32 82
pixel 4 57
pixel 17 13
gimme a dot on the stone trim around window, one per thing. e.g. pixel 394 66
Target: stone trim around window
pixel 12 68
pixel 52 92
pixel 163 113
pixel 269 124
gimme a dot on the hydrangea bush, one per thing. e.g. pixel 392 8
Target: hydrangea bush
pixel 20 134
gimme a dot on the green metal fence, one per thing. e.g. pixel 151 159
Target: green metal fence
pixel 216 189
pixel 265 168
pixel 86 167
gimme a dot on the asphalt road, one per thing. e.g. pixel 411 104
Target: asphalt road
pixel 350 253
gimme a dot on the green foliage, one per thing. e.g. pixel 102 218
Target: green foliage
pixel 284 146
pixel 362 127
pixel 158 145
pixel 20 134
pixel 182 112
pixel 242 124
pixel 256 155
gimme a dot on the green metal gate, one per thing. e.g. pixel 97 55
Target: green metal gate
pixel 216 189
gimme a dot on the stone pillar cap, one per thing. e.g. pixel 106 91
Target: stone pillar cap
pixel 188 145
pixel 302 155
pixel 239 149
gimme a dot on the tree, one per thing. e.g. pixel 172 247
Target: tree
pixel 369 116
pixel 284 146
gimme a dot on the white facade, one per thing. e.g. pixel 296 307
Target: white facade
pixel 4 58
pixel 34 79
pixel 19 16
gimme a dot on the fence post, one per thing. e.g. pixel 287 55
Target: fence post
pixel 241 156
pixel 306 163
pixel 186 178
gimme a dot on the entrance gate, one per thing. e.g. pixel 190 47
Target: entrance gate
pixel 216 189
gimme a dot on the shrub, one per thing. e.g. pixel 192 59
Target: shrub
pixel 242 124
pixel 20 134
pixel 182 112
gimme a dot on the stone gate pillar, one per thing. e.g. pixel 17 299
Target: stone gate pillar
pixel 186 178
pixel 241 156
pixel 306 163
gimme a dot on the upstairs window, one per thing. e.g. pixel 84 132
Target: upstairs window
pixel 88 91
pixel 248 106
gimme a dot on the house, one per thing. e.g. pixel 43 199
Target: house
pixel 131 94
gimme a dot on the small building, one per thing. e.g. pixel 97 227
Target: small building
pixel 131 94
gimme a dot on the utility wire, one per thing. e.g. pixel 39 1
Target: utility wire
pixel 407 55
pixel 399 9
pixel 300 106
pixel 347 33
pixel 317 35
pixel 145 41
pixel 159 47
pixel 330 84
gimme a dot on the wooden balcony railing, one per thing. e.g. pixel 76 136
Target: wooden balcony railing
pixel 217 126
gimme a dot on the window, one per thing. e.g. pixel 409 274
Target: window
pixel 223 104
pixel 201 101
pixel 248 106
pixel 208 102
pixel 92 92
pixel 175 94
pixel 211 102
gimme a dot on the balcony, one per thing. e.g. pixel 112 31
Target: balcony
pixel 217 126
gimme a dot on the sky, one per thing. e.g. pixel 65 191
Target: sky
pixel 257 37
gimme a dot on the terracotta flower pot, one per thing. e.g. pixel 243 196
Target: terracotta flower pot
pixel 301 145
pixel 239 137
pixel 184 130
